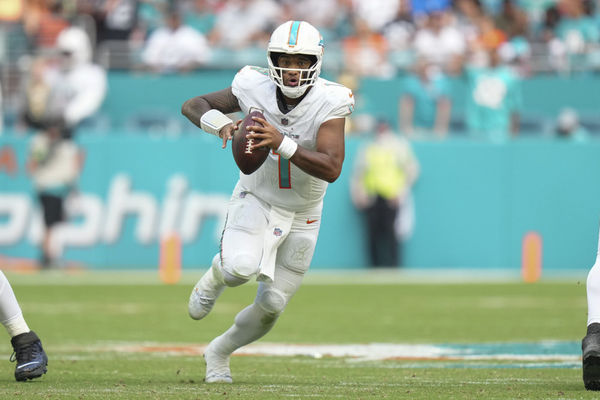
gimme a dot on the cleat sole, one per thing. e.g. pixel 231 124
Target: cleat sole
pixel 28 375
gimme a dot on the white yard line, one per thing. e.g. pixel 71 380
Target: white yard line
pixel 535 352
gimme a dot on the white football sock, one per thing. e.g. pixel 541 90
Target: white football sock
pixel 212 280
pixel 206 291
pixel 250 324
pixel 10 312
pixel 593 291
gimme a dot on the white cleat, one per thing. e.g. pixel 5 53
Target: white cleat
pixel 204 295
pixel 202 301
pixel 217 367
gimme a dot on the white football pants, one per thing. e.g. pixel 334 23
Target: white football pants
pixel 247 224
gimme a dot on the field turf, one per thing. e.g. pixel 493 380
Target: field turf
pixel 124 336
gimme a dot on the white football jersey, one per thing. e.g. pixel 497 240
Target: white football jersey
pixel 278 181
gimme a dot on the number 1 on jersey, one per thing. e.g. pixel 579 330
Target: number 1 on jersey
pixel 285 178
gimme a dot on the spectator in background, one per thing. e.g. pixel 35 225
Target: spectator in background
pixel 557 52
pixel 1 112
pixel 514 23
pixel 551 19
pixel 568 126
pixel 439 41
pixel 200 14
pixel 115 19
pixel 488 36
pixel 425 106
pixel 35 96
pixel 365 52
pixel 400 31
pixel 384 172
pixel 76 86
pixel 494 102
pixel 466 16
pixel 375 13
pixel 257 17
pixel 512 20
pixel 328 15
pixel 175 47
pixel 73 91
pixel 576 28
pixel 54 164
pixel 43 21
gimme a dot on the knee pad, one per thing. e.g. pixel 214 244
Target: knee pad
pixel 272 301
pixel 232 280
pixel 242 266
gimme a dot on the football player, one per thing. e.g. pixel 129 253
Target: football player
pixel 274 213
pixel 591 342
pixel 28 352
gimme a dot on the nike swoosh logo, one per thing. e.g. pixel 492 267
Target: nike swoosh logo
pixel 27 364
pixel 311 221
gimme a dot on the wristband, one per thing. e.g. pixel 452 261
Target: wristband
pixel 287 148
pixel 213 121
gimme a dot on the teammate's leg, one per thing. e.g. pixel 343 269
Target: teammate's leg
pixel 29 354
pixel 253 322
pixel 591 342
pixel 241 250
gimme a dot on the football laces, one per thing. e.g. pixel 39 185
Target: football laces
pixel 249 146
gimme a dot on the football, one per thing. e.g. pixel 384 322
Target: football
pixel 247 159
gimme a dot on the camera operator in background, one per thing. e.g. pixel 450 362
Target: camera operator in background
pixel 57 99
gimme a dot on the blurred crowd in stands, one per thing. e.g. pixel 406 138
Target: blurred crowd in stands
pixel 493 44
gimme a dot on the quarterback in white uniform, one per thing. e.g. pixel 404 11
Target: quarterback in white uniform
pixel 274 214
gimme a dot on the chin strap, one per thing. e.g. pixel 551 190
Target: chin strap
pixel 213 121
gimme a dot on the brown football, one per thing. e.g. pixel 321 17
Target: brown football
pixel 247 159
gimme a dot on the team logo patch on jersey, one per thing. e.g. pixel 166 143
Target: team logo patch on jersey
pixel 284 121
pixel 277 232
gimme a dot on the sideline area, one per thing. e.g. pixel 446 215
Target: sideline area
pixel 77 275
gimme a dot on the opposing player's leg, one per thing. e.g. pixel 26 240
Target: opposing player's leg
pixel 28 352
pixel 591 342
pixel 241 249
pixel 253 322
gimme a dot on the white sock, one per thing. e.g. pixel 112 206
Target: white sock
pixel 16 325
pixel 250 324
pixel 593 291
pixel 213 278
pixel 10 312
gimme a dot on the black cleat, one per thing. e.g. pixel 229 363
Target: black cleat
pixel 30 356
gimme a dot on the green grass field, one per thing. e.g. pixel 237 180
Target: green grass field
pixel 122 336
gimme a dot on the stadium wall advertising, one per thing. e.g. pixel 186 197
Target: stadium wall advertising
pixel 474 202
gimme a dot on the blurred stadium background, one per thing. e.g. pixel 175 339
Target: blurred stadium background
pixel 476 197
pixel 149 174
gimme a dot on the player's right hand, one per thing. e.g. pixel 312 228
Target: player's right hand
pixel 227 132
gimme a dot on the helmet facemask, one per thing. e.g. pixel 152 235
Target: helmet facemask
pixel 307 77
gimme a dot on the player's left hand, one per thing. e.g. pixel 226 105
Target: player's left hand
pixel 228 131
pixel 267 134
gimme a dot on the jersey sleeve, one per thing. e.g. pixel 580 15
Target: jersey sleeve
pixel 342 102
pixel 245 83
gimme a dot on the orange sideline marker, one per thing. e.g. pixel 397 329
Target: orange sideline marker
pixel 531 267
pixel 169 268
